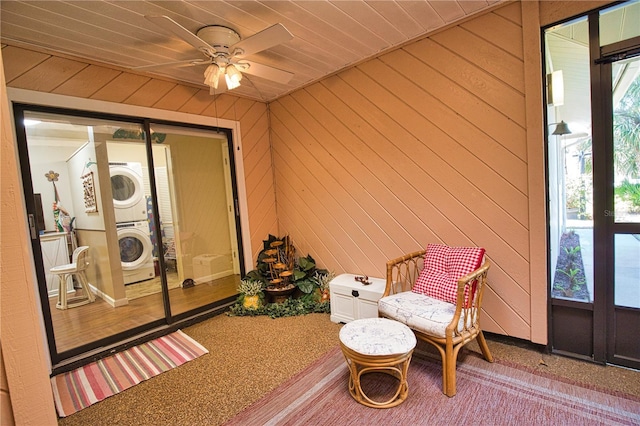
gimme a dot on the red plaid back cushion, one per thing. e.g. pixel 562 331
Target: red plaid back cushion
pixel 443 266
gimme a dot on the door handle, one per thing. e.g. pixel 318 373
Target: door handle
pixel 32 227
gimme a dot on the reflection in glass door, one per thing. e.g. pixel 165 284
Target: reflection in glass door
pixel 158 217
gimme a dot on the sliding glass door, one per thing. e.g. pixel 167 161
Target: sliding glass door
pixel 197 215
pixel 157 214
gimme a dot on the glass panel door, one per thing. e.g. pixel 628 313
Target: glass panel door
pixel 570 199
pixel 626 140
pixel 87 194
pixel 624 311
pixel 199 229
pixel 133 207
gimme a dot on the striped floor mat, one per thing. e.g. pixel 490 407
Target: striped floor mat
pixel 94 382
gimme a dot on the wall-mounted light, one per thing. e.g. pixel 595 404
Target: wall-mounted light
pixel 555 88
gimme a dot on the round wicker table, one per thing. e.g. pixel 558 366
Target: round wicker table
pixel 377 345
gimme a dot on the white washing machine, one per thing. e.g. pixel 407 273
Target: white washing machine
pixel 136 251
pixel 127 187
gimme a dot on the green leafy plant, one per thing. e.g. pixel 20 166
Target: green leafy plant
pixel 303 268
pixel 571 273
pixel 251 294
pixel 569 279
pixel 309 280
pixel 250 287
pixel 626 132
pixel 305 275
pixel 575 280
pixel 572 253
pixel 288 308
pixel 629 192
pixel 323 280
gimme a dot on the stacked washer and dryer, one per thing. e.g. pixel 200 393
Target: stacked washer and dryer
pixel 130 205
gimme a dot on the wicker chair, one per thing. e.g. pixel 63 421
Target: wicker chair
pixel 446 326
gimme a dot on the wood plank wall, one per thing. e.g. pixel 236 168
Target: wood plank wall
pixel 39 71
pixel 25 388
pixel 426 144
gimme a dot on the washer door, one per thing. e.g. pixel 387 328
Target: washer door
pixel 126 186
pixel 135 248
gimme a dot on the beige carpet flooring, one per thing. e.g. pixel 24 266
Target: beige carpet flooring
pixel 250 356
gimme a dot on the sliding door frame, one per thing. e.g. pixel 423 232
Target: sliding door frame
pixel 23 100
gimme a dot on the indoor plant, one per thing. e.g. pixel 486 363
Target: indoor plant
pixel 296 286
pixel 251 293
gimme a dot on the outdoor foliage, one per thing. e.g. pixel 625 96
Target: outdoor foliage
pixel 569 280
pixel 580 194
pixel 629 192
pixel 626 131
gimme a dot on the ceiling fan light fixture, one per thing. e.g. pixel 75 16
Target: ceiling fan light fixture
pixel 225 51
pixel 233 77
pixel 210 69
pixel 231 84
pixel 212 76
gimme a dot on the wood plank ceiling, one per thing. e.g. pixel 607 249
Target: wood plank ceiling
pixel 329 36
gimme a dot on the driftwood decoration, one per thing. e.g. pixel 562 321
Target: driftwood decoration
pixel 90 202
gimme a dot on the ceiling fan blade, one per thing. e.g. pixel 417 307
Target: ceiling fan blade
pixel 170 25
pixel 176 64
pixel 267 72
pixel 265 39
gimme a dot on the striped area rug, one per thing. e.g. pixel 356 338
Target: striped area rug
pixel 94 382
pixel 488 394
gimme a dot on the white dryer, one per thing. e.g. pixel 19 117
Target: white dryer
pixel 127 187
pixel 136 251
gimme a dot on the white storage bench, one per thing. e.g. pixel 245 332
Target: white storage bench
pixel 352 300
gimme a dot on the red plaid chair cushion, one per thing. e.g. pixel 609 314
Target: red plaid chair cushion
pixel 443 266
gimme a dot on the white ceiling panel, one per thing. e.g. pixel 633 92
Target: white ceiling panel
pixel 328 36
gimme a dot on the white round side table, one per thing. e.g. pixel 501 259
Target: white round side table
pixel 377 345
